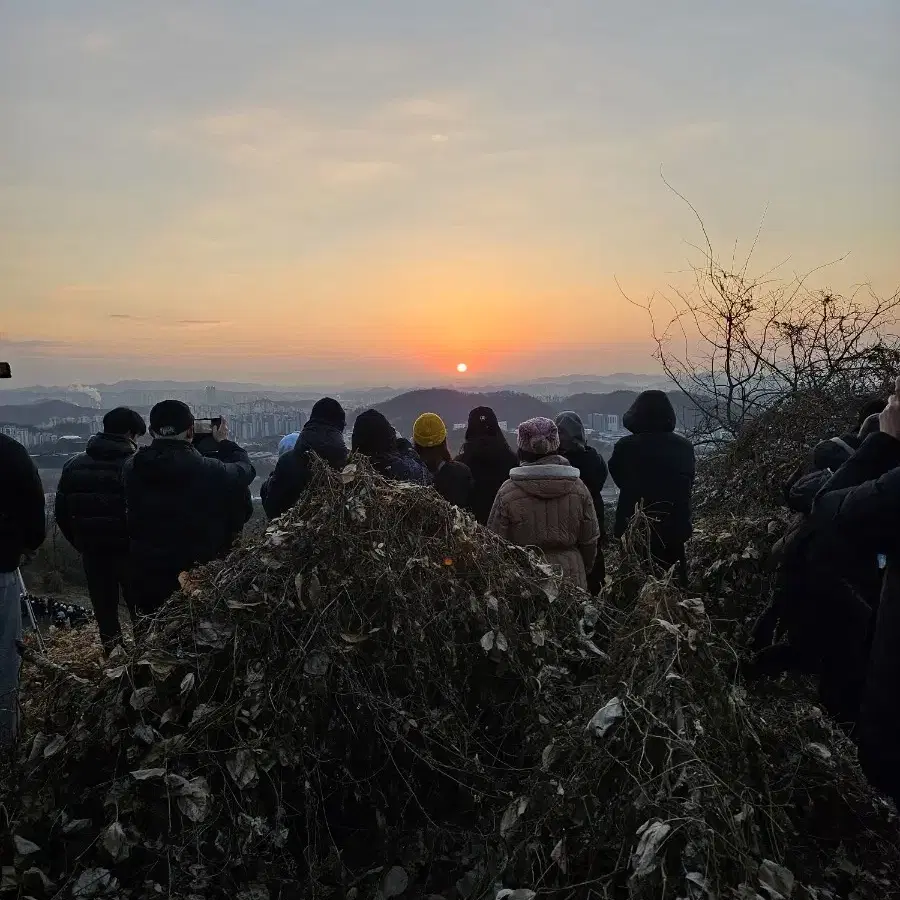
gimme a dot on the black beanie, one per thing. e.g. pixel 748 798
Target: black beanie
pixel 170 417
pixel 482 423
pixel 123 420
pixel 373 435
pixel 330 412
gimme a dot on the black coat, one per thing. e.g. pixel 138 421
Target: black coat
pixel 655 467
pixel 861 505
pixel 90 498
pixel 454 483
pixel 593 473
pixel 489 459
pixel 22 523
pixel 293 472
pixel 206 445
pixel 183 508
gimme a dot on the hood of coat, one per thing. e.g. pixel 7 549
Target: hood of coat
pixel 167 462
pixel 324 439
pixel 652 411
pixel 110 446
pixel 492 448
pixel 571 431
pixel 547 478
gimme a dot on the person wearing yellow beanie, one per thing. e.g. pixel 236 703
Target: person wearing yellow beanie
pixel 429 431
pixel 452 480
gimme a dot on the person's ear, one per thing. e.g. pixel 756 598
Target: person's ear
pixel 190 433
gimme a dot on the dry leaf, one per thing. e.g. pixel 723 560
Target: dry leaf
pixel 775 880
pixel 115 843
pixel 511 815
pixel 348 474
pixel 53 746
pixel 353 638
pixel 501 643
pixel 316 664
pixel 188 682
pixel 141 698
pixel 93 883
pixel 194 799
pixel 645 858
pixel 147 774
pixel 214 635
pixel 242 768
pixel 605 718
pixel 395 882
pixel 487 641
pixel 559 855
pixel 23 846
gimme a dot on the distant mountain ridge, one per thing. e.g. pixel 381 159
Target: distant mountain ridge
pixel 454 406
pixel 31 414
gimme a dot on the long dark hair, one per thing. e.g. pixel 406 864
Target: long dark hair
pixel 434 456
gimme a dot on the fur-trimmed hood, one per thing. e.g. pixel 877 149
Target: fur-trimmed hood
pixel 551 476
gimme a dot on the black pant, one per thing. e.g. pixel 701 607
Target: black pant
pixel 151 588
pixel 671 555
pixel 107 576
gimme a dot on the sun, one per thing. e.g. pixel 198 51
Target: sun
pixel 461 368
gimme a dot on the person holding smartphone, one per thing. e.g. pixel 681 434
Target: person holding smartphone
pixel 183 507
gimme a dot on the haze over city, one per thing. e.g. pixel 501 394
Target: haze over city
pixel 360 193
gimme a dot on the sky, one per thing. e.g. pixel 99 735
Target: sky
pixel 360 192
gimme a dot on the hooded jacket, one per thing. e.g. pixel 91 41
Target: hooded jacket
pixel 293 473
pixel 392 457
pixel 654 467
pixel 22 524
pixel 860 506
pixel 574 447
pixel 90 497
pixel 546 505
pixel 490 460
pixel 183 508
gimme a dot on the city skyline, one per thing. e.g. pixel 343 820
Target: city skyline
pixel 307 193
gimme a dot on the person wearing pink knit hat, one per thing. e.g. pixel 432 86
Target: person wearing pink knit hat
pixel 545 504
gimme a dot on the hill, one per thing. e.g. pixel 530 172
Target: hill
pixel 37 413
pixel 617 403
pixel 454 406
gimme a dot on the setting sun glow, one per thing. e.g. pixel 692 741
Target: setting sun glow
pixel 462 367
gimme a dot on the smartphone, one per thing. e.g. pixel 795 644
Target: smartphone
pixel 214 422
pixel 5 371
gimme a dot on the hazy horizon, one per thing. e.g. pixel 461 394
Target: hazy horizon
pixel 367 194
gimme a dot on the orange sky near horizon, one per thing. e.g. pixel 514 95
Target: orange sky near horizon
pixel 329 195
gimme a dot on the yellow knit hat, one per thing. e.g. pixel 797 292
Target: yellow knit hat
pixel 429 430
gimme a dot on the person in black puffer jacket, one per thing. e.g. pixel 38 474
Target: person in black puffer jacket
pixel 392 456
pixel 860 507
pixel 90 512
pixel 592 468
pixel 322 436
pixel 452 480
pixel 655 467
pixel 489 457
pixel 22 530
pixel 183 508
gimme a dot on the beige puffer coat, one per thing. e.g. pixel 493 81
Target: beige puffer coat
pixel 546 505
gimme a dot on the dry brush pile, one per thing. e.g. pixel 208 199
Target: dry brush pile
pixel 379 698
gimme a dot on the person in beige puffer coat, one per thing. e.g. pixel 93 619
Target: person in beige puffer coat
pixel 545 504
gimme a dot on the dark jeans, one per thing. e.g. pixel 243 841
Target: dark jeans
pixel 671 555
pixel 150 589
pixel 107 579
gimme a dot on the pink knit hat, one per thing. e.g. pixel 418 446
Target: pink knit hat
pixel 539 436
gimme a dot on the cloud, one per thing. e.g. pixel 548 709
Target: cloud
pixel 127 316
pixel 205 322
pixel 98 43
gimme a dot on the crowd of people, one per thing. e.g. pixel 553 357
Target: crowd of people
pixel 835 613
pixel 141 517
